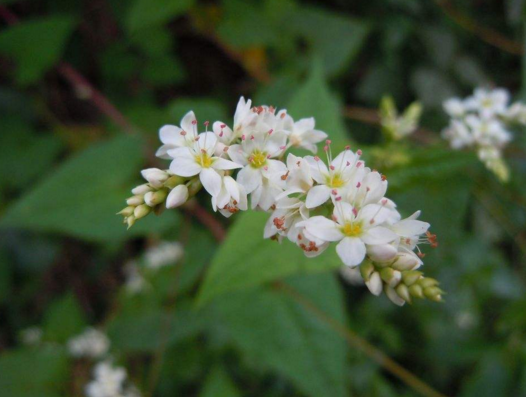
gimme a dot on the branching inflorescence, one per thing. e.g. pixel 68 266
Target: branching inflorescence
pixel 313 201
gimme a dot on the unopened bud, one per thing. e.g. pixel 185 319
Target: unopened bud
pixel 393 296
pixel 141 211
pixel 391 276
pixel 194 186
pixel 366 269
pixel 130 221
pixel 154 198
pixel 173 181
pixel 433 293
pixel 155 176
pixel 427 282
pixel 135 200
pixel 177 196
pixel 375 284
pixel 126 211
pixel 410 277
pixel 403 292
pixel 405 261
pixel 416 291
pixel 381 252
pixel 141 189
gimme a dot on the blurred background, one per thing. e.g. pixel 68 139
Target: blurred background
pixel 85 87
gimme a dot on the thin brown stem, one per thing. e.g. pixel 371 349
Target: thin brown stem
pixel 357 342
pixel 488 35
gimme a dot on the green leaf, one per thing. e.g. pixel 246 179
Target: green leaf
pixel 314 99
pixel 218 384
pixel 277 332
pixel 246 260
pixel 334 38
pixel 82 196
pixel 33 373
pixel 36 45
pixel 64 319
pixel 148 13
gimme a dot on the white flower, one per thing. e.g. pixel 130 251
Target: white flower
pixel 353 229
pixel 334 179
pixel 110 381
pixel 488 132
pixel 455 107
pixel 155 176
pixel 164 254
pixel 488 103
pixel 516 113
pixel 303 135
pixel 298 177
pixel 370 188
pixel 177 196
pixel 231 199
pixel 199 159
pixel 174 137
pixel 458 134
pixel 284 219
pixel 243 116
pixel 92 343
pixel 134 281
pixel 261 174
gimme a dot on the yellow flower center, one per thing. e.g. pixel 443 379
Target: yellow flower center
pixel 204 160
pixel 258 159
pixel 487 103
pixel 335 181
pixel 352 229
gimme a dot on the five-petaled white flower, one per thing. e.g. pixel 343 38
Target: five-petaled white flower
pixel 173 137
pixel 304 135
pixel 199 159
pixel 353 229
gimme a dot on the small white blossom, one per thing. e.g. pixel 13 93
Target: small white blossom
pixel 304 135
pixel 134 281
pixel 92 343
pixel 110 381
pixel 173 137
pixel 164 254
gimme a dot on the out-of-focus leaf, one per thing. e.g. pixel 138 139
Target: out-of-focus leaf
pixel 492 377
pixel 148 13
pixel 163 70
pixel 33 373
pixel 335 39
pixel 243 25
pixel 83 195
pixel 64 319
pixel 471 72
pixel 246 260
pixel 275 331
pixel 278 93
pixel 218 384
pixel 36 45
pixel 147 330
pixel 5 277
pixel 314 99
pixel 440 43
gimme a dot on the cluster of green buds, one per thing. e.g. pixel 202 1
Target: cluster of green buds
pixel 399 280
pixel 163 190
pixel 397 126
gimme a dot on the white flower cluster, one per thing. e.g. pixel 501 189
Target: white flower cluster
pixel 110 381
pixel 91 343
pixel 312 202
pixel 481 122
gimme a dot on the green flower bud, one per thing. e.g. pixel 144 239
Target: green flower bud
pixel 390 276
pixel 141 211
pixel 126 211
pixel 416 291
pixel 194 186
pixel 433 293
pixel 135 200
pixel 154 198
pixel 173 181
pixel 130 221
pixel 366 269
pixel 403 292
pixel 410 277
pixel 427 282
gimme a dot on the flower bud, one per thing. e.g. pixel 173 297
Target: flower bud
pixel 141 211
pixel 126 211
pixel 403 292
pixel 375 284
pixel 406 261
pixel 173 181
pixel 393 296
pixel 410 277
pixel 194 186
pixel 130 221
pixel 381 252
pixel 427 282
pixel 391 276
pixel 141 189
pixel 154 198
pixel 416 291
pixel 155 176
pixel 433 293
pixel 135 200
pixel 177 196
pixel 366 269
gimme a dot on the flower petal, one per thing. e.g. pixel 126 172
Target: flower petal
pixel 317 196
pixel 170 134
pixel 211 181
pixel 351 251
pixel 378 235
pixel 223 164
pixel 322 228
pixel 410 227
pixel 184 166
pixel 250 178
